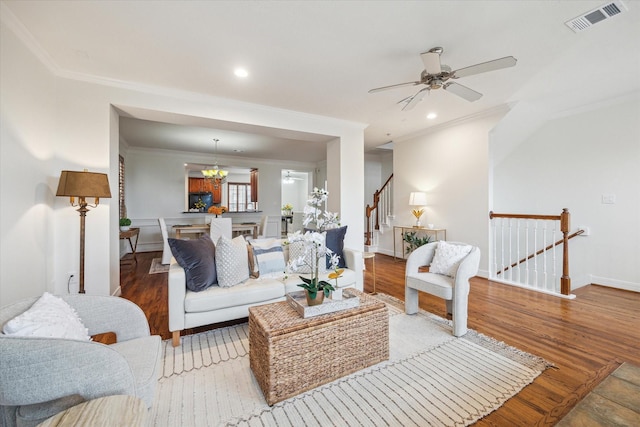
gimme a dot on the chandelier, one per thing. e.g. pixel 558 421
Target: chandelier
pixel 215 174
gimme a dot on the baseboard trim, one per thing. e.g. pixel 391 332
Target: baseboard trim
pixel 117 292
pixel 614 283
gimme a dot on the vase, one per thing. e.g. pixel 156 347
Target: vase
pixel 125 227
pixel 317 300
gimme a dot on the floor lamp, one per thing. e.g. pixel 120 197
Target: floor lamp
pixel 82 185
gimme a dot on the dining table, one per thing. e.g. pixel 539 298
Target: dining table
pixel 240 227
pixel 199 229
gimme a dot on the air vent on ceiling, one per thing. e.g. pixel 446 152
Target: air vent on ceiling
pixel 594 16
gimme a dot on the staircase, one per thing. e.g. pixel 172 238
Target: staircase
pixel 380 213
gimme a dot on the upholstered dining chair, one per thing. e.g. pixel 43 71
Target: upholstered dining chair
pixel 297 222
pixel 264 221
pixel 166 250
pixel 450 266
pixel 40 377
pixel 220 227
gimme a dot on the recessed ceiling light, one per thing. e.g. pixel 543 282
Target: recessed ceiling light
pixel 431 116
pixel 241 72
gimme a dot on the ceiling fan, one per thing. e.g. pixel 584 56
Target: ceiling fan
pixel 288 179
pixel 436 75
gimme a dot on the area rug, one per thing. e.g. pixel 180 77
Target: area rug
pixel 432 378
pixel 158 267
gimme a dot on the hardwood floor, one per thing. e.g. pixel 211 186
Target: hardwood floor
pixel 585 338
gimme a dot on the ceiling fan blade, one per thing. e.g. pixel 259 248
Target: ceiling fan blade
pixel 496 64
pixel 431 60
pixel 379 89
pixel 415 99
pixel 462 91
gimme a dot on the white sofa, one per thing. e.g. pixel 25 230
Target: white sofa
pixel 188 309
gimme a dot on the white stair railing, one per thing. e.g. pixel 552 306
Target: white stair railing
pixel 524 251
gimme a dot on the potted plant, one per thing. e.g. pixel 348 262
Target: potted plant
pixel 287 209
pixel 217 210
pixel 125 224
pixel 414 241
pixel 315 250
pixel 200 205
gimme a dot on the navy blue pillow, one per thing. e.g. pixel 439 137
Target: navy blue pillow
pixel 335 242
pixel 197 257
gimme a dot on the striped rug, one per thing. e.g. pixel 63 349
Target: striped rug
pixel 431 379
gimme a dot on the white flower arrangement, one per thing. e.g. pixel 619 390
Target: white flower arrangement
pixel 315 249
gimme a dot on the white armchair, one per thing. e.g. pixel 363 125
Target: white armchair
pixel 40 377
pixel 453 289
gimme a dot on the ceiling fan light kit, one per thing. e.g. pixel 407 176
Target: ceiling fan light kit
pixel 437 75
pixel 288 179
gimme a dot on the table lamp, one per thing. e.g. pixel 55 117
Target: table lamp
pixel 418 199
pixel 82 185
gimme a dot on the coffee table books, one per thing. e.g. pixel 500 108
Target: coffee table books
pixel 298 301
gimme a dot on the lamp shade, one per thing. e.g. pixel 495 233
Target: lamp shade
pixel 83 184
pixel 417 199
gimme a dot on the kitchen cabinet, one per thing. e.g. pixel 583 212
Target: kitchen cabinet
pixel 201 185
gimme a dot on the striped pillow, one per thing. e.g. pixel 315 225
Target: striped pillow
pixel 269 256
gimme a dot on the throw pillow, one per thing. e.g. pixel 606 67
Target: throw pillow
pixel 297 251
pixel 335 242
pixel 447 257
pixel 232 262
pixel 197 257
pixel 269 256
pixel 48 317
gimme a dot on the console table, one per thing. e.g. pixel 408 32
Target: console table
pixel 437 233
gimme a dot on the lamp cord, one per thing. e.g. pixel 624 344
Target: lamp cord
pixel 69 283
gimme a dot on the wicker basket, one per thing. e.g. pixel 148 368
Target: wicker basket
pixel 289 354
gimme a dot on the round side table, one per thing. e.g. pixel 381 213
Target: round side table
pixel 372 255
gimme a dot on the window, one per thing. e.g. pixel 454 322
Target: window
pixel 123 208
pixel 239 197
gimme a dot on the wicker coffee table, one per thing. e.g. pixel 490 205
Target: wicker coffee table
pixel 290 354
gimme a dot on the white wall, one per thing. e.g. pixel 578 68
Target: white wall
pixel 450 164
pixel 52 123
pixel 28 179
pixel 297 192
pixel 571 162
pixel 155 187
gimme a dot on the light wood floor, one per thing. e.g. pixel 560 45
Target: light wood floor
pixel 586 338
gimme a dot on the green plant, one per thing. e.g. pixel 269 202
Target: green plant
pixel 199 204
pixel 414 240
pixel 125 222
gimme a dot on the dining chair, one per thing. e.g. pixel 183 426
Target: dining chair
pixel 296 222
pixel 166 250
pixel 264 221
pixel 220 227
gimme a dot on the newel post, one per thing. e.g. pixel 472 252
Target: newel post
pixel 565 280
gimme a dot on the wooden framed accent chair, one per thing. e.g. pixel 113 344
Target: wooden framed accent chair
pixel 450 266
